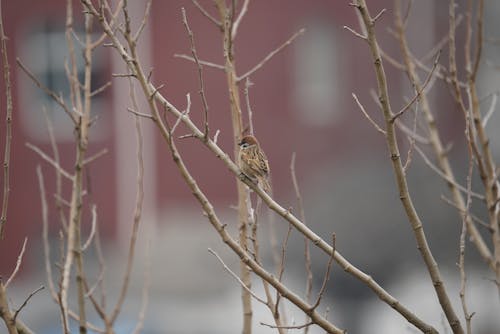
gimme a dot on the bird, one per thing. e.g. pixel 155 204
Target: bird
pixel 253 162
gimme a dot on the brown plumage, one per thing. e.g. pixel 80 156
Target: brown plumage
pixel 253 162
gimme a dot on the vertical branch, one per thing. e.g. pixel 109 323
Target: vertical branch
pixel 487 169
pixel 248 84
pixel 461 260
pixel 76 188
pixel 234 98
pixel 307 253
pixel 138 207
pixel 368 23
pixel 83 106
pixel 8 126
pixel 57 160
pixel 434 136
pixel 200 70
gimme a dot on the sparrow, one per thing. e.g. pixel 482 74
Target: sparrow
pixel 253 162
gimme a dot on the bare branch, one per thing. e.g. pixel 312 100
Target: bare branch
pixel 100 89
pixel 207 15
pixel 243 285
pixel 145 292
pixel 58 99
pixel 412 134
pixel 326 277
pixel 216 136
pixel 92 229
pixel 355 33
pixel 491 110
pixel 200 70
pixel 248 84
pixel 18 264
pixel 8 126
pixel 185 113
pixel 287 327
pixel 444 176
pixel 281 267
pixel 202 62
pixel 307 252
pixel 5 312
pixel 137 210
pixel 45 233
pixel 238 20
pixel 143 22
pixel 377 127
pixel 55 151
pixel 51 161
pixel 96 156
pixel 139 114
pixel 412 215
pixel 270 55
pixel 419 92
pixel 26 301
pixel 376 17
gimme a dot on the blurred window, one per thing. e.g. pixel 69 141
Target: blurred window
pixel 318 75
pixel 44 51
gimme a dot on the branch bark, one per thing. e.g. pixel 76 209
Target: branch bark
pixel 404 194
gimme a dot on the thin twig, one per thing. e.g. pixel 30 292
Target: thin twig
pixel 412 141
pixel 491 110
pixel 8 126
pixel 412 134
pixel 51 161
pixel 55 151
pixel 281 267
pixel 236 23
pixel 355 33
pixel 184 113
pixel 137 210
pixel 200 70
pixel 421 91
pixel 26 301
pixel 92 229
pixel 202 62
pixel 243 285
pixel 100 89
pixel 306 325
pixel 207 14
pixel 476 219
pixel 18 264
pixel 248 84
pixel 270 55
pixel 140 114
pixel 145 291
pixel 377 127
pixel 143 22
pixel 307 251
pixel 96 156
pixel 461 262
pixel 444 176
pixel 58 99
pixel 216 136
pixel 45 232
pixel 326 277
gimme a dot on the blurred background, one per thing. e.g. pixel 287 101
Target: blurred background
pixel 301 102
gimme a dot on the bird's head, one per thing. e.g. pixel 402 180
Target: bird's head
pixel 248 141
